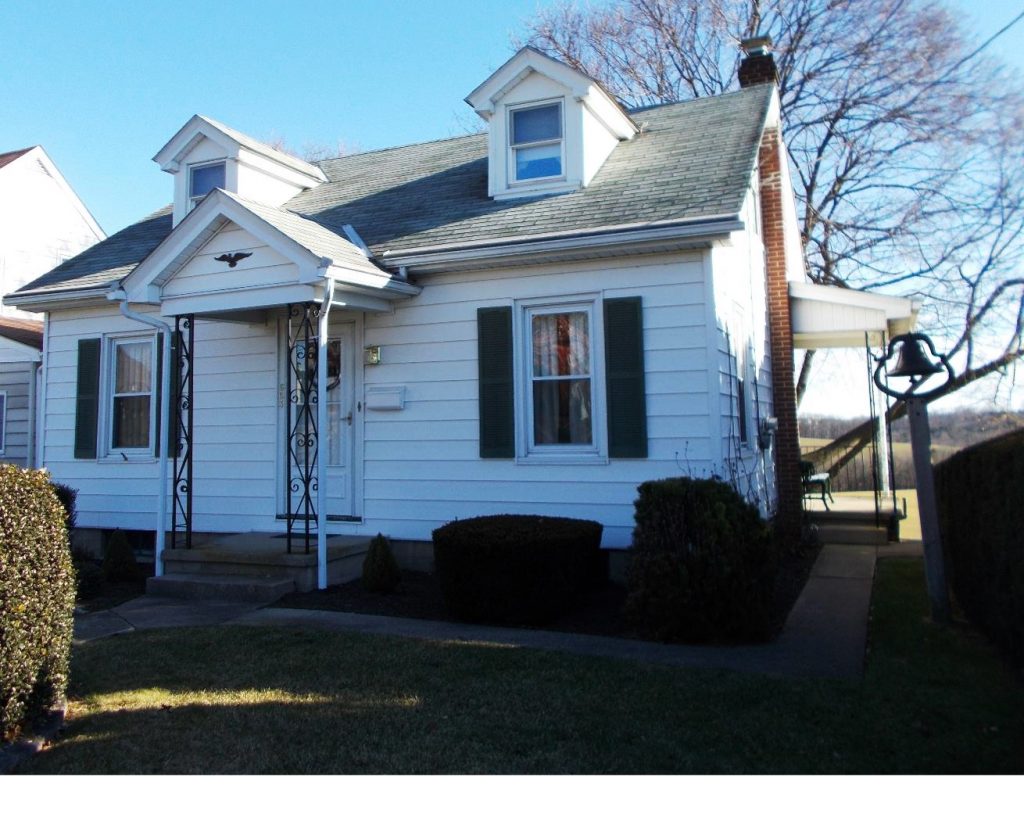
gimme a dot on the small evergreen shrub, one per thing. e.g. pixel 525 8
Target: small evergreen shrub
pixel 515 568
pixel 119 563
pixel 37 598
pixel 68 497
pixel 704 565
pixel 981 517
pixel 380 570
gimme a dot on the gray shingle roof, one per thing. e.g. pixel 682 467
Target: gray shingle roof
pixel 108 261
pixel 316 238
pixel 693 160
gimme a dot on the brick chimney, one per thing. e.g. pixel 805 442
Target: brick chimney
pixel 758 65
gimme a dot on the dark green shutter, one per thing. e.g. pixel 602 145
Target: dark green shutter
pixel 497 400
pixel 624 373
pixel 87 402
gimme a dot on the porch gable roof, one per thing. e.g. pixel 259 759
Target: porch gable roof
pixel 314 251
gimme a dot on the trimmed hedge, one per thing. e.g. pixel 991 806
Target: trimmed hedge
pixel 704 565
pixel 980 493
pixel 380 570
pixel 37 598
pixel 523 569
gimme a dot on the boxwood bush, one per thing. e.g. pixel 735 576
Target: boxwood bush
pixel 981 516
pixel 380 569
pixel 37 598
pixel 704 567
pixel 516 568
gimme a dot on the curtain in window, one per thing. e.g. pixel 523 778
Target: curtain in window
pixel 132 386
pixel 561 379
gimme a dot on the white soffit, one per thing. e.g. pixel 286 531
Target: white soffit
pixel 825 316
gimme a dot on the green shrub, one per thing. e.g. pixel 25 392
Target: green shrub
pixel 37 598
pixel 119 564
pixel 68 498
pixel 704 566
pixel 981 516
pixel 380 571
pixel 515 568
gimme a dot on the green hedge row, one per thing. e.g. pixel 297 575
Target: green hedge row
pixel 516 568
pixel 980 493
pixel 37 598
pixel 704 565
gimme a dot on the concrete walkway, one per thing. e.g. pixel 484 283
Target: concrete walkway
pixel 825 635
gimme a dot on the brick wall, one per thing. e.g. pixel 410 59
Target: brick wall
pixel 787 446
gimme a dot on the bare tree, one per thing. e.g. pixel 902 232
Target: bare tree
pixel 903 139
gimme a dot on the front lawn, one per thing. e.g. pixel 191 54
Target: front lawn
pixel 234 700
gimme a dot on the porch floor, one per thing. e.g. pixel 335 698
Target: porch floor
pixel 265 556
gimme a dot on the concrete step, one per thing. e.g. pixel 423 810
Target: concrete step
pixel 852 534
pixel 249 589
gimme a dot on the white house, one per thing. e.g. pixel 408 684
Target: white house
pixel 531 320
pixel 42 223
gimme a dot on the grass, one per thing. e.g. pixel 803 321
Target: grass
pixel 276 700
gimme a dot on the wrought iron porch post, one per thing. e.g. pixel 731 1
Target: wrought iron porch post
pixel 303 439
pixel 181 441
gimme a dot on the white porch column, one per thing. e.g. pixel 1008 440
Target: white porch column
pixel 882 434
pixel 322 432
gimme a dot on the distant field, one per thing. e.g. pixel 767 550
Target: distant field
pixel 857 475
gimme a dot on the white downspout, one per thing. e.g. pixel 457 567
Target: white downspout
pixel 165 422
pixel 322 430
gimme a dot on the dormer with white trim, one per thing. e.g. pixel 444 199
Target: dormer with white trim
pixel 550 127
pixel 204 155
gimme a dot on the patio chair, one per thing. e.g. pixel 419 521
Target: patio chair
pixel 815 484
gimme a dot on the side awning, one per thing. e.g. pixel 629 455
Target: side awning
pixel 825 316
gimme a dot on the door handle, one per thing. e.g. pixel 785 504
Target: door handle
pixel 348 419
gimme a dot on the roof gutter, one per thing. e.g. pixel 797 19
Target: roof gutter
pixel 165 421
pixel 601 241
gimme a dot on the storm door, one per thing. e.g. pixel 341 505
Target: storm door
pixel 305 437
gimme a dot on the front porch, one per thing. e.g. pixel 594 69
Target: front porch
pixel 254 566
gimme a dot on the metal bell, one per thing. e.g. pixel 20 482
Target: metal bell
pixel 912 360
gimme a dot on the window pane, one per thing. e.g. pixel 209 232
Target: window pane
pixel 538 162
pixel 205 179
pixel 542 123
pixel 561 344
pixel 131 422
pixel 134 367
pixel 561 412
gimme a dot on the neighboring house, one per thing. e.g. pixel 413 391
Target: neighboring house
pixel 42 223
pixel 21 351
pixel 531 320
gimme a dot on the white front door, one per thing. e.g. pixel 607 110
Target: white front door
pixel 338 436
pixel 335 437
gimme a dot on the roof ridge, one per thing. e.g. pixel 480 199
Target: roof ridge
pixel 401 146
pixel 699 99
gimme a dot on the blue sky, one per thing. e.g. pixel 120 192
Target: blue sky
pixel 103 85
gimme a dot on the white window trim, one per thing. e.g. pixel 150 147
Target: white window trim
pixel 193 200
pixel 107 379
pixel 3 422
pixel 510 147
pixel 528 453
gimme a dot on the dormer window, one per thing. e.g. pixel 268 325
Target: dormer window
pixel 202 179
pixel 536 144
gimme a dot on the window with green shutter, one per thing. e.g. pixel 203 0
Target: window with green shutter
pixel 497 400
pixel 87 399
pixel 575 398
pixel 624 377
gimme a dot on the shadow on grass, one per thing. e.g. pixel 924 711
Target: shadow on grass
pixel 285 700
